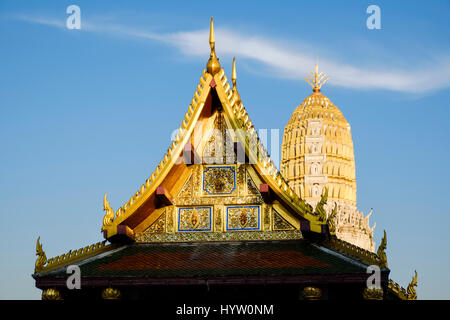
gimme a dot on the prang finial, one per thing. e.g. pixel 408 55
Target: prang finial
pixel 213 65
pixel 316 79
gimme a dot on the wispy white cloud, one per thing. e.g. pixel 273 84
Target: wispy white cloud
pixel 283 60
pixel 58 23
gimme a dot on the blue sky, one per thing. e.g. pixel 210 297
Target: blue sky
pixel 84 112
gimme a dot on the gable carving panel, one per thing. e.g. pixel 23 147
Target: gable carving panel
pixel 243 218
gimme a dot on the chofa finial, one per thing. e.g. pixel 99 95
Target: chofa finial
pixel 213 65
pixel 412 293
pixel 381 252
pixel 42 258
pixel 316 79
pixel 109 215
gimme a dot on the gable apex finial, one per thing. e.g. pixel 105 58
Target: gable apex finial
pixel 212 41
pixel 213 65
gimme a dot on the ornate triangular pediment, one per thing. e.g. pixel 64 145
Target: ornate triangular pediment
pixel 207 165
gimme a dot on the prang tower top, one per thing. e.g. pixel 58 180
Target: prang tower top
pixel 317 158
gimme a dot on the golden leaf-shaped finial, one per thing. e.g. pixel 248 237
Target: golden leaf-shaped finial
pixel 316 79
pixel 381 254
pixel 109 215
pixel 42 258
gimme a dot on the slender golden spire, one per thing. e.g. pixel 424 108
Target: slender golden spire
pixel 213 65
pixel 212 41
pixel 233 72
pixel 233 79
pixel 316 79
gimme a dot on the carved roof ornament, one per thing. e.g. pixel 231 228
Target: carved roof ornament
pixel 51 294
pixel 331 220
pixel 109 215
pixel 412 294
pixel 373 294
pixel 381 252
pixel 213 64
pixel 42 258
pixel 312 293
pixel 111 294
pixel 44 265
pixel 316 79
pixel 408 294
pixel 320 210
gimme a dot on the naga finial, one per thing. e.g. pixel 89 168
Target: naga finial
pixel 412 294
pixel 109 215
pixel 316 79
pixel 213 65
pixel 42 258
pixel 320 210
pixel 331 220
pixel 381 254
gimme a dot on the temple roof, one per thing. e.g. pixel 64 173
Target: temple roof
pixel 219 259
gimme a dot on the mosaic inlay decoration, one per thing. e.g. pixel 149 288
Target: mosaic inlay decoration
pixel 279 223
pixel 194 219
pixel 243 218
pixel 219 236
pixel 251 188
pixel 158 225
pixel 219 180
